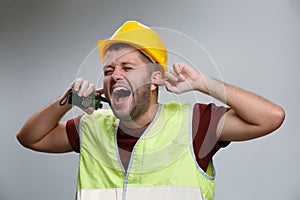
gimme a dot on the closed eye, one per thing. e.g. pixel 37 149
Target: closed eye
pixel 127 68
pixel 108 70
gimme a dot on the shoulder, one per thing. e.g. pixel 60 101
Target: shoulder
pixel 99 115
pixel 208 112
pixel 210 107
pixel 175 106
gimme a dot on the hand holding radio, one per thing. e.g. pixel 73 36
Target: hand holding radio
pixel 88 103
pixel 93 100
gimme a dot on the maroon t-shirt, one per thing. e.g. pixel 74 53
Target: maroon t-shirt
pixel 204 126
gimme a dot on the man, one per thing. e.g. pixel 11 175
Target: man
pixel 141 149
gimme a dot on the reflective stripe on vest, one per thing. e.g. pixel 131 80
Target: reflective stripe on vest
pixel 162 164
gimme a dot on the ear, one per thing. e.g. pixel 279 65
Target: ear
pixel 156 79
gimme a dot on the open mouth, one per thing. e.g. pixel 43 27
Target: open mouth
pixel 121 94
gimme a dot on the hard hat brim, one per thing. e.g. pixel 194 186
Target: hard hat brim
pixel 103 45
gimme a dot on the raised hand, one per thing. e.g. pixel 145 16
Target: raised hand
pixel 83 88
pixel 184 78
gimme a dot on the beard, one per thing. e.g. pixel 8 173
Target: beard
pixel 141 101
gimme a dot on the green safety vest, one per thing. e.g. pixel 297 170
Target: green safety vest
pixel 162 164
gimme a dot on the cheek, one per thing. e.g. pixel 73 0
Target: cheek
pixel 137 81
pixel 106 85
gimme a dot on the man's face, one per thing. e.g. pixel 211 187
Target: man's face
pixel 127 83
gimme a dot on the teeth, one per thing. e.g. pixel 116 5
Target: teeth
pixel 119 89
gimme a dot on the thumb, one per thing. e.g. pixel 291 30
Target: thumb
pixel 169 87
pixel 101 90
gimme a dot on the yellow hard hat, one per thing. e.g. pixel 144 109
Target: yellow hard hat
pixel 141 37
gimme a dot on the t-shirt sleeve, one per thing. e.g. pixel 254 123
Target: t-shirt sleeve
pixel 205 139
pixel 72 129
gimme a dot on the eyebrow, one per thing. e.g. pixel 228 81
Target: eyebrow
pixel 106 66
pixel 122 64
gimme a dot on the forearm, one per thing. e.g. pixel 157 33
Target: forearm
pixel 251 116
pixel 42 122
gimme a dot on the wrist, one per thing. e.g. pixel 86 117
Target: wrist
pixel 202 84
pixel 62 101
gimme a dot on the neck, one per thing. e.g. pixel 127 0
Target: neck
pixel 143 120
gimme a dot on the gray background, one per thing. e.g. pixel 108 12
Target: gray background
pixel 255 45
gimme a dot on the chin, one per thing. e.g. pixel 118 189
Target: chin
pixel 122 114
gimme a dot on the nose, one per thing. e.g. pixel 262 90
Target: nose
pixel 117 74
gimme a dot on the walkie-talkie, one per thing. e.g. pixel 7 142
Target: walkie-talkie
pixel 94 100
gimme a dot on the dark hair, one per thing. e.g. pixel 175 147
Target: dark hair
pixel 145 58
